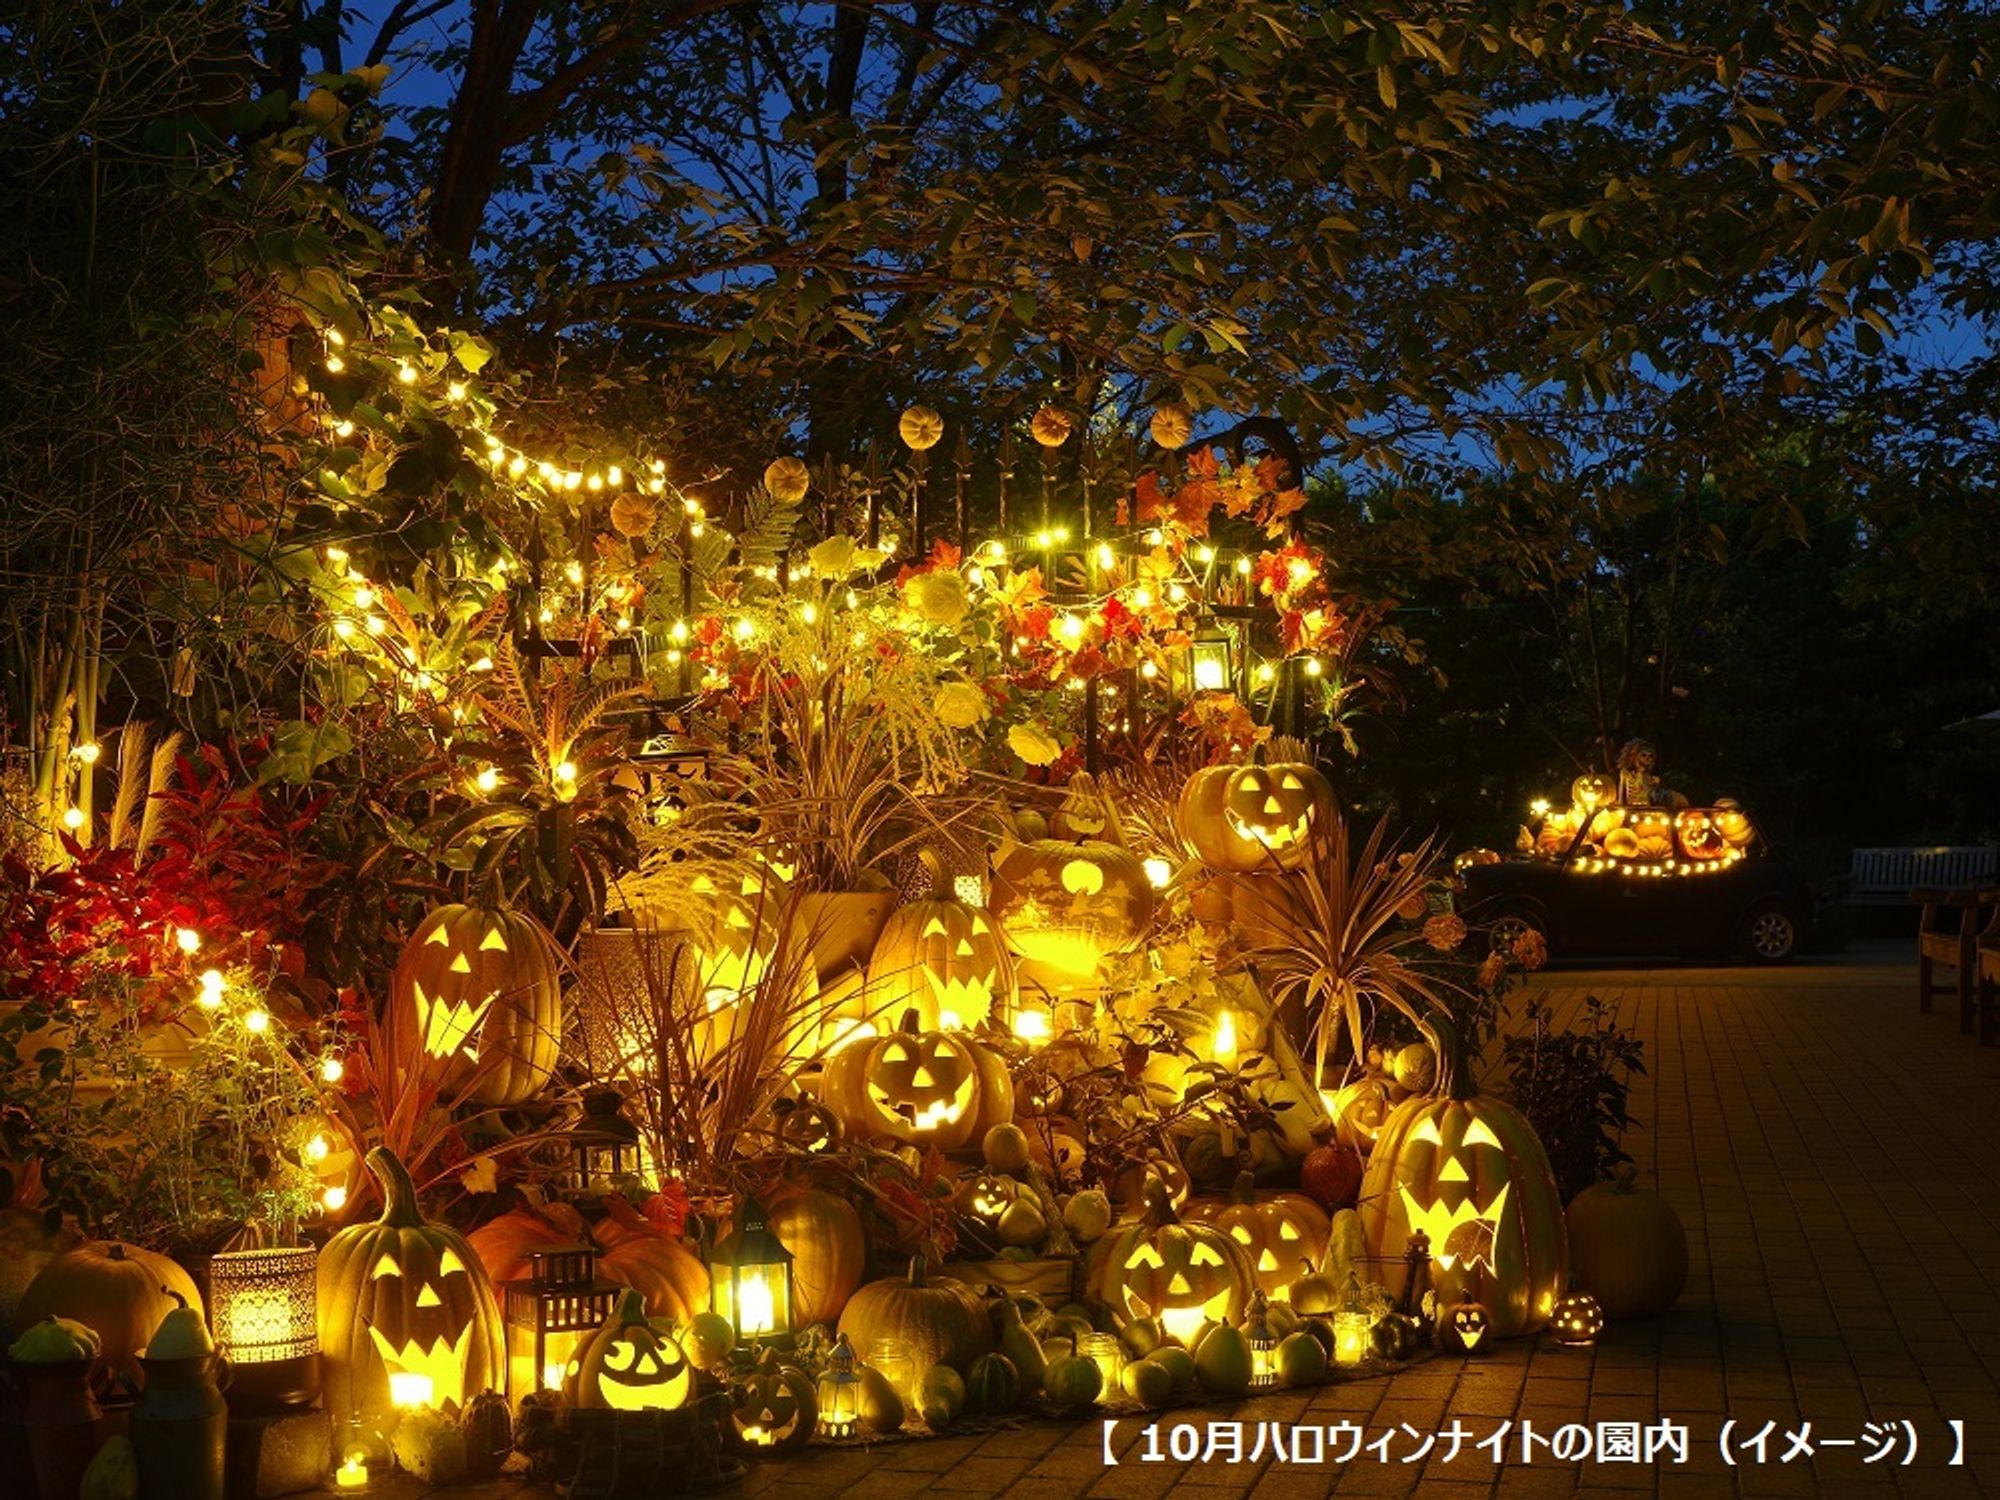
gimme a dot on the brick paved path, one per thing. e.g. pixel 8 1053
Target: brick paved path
pixel 1836 1158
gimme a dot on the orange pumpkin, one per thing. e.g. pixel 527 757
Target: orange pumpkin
pixel 634 1253
pixel 829 1250
pixel 1282 1234
pixel 476 994
pixel 504 1244
pixel 119 1291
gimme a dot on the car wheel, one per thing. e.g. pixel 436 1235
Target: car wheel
pixel 1509 927
pixel 1771 935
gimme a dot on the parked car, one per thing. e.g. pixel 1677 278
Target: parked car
pixel 1586 904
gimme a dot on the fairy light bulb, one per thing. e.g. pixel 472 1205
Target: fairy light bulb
pixel 517 466
pixel 487 779
pixel 332 1070
pixel 1313 667
pixel 565 773
pixel 455 391
pixel 187 939
pixel 343 428
pixel 375 624
pixel 745 629
pixel 407 373
pixel 72 818
pixel 317 1149
pixel 594 483
pixel 1106 558
pixel 573 479
pixel 210 997
pixel 1149 670
pixel 1072 628
pixel 809 612
pixel 573 571
pixel 343 628
pixel 1243 566
pixel 364 597
pixel 1204 555
pixel 334 1199
pixel 335 364
pixel 257 1022
pixel 614 476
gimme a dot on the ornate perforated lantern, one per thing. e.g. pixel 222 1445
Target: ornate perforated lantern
pixel 604 1145
pixel 750 1278
pixel 265 1304
pixel 839 1393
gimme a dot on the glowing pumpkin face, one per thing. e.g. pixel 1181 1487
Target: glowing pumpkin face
pixel 1066 906
pixel 1593 791
pixel 629 1365
pixel 476 992
pixel 947 961
pixel 1464 1327
pixel 1281 1234
pixel 1277 807
pixel 937 1088
pixel 985 1197
pixel 1182 1275
pixel 402 1297
pixel 772 1408
pixel 1698 835
pixel 1470 1173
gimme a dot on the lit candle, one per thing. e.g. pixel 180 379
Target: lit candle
pixel 1224 1050
pixel 408 1389
pixel 754 1307
pixel 352 1474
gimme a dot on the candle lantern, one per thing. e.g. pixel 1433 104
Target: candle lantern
pixel 604 1145
pixel 750 1278
pixel 839 1393
pixel 1353 1325
pixel 1210 660
pixel 1104 1351
pixel 549 1313
pixel 352 1475
pixel 1263 1344
pixel 266 1309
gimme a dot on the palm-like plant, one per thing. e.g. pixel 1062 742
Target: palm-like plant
pixel 1334 939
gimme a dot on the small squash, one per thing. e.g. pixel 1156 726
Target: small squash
pixel 1072 1381
pixel 992 1386
pixel 119 1290
pixel 1222 1362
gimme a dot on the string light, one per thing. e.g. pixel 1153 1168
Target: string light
pixel 187 939
pixel 210 997
pixel 334 1199
pixel 72 818
pixel 257 1022
pixel 87 752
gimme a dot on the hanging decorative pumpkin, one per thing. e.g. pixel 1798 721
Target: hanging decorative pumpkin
pixel 1066 903
pixel 941 1321
pixel 772 1408
pixel 1331 1173
pixel 1470 1173
pixel 402 1296
pixel 1697 834
pixel 928 1088
pixel 1181 1275
pixel 119 1291
pixel 943 959
pixel 1050 427
pixel 920 428
pixel 629 1365
pixel 829 1250
pixel 1172 425
pixel 476 992
pixel 633 514
pixel 1281 1233
pixel 1628 1246
pixel 1465 1327
pixel 787 479
pixel 633 1252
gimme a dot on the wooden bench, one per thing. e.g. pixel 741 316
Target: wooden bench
pixel 1956 927
pixel 1989 983
pixel 1889 877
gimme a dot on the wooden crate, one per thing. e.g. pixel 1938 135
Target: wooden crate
pixel 1053 1280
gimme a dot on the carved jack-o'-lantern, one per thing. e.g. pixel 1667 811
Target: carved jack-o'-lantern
pixel 1697 834
pixel 943 958
pixel 629 1364
pixel 1577 1320
pixel 1244 818
pixel 1592 791
pixel 1065 903
pixel 1733 823
pixel 477 991
pixel 1181 1275
pixel 985 1196
pixel 1464 1327
pixel 1282 1234
pixel 1469 1172
pixel 772 1408
pixel 403 1297
pixel 938 1088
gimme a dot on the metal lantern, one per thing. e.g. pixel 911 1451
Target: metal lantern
pixel 1353 1325
pixel 549 1313
pixel 1211 659
pixel 266 1310
pixel 604 1145
pixel 839 1392
pixel 1419 1299
pixel 750 1277
pixel 1263 1345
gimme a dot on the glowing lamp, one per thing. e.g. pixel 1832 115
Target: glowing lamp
pixel 1209 664
pixel 1104 1351
pixel 352 1473
pixel 265 1305
pixel 1223 1048
pixel 890 1358
pixel 1576 1320
pixel 549 1314
pixel 1353 1325
pixel 839 1393
pixel 1033 1025
pixel 1263 1345
pixel 409 1390
pixel 750 1278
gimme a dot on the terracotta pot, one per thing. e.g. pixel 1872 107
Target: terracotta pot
pixel 841 928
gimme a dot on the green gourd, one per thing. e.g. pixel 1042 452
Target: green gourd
pixel 113 1474
pixel 1148 1382
pixel 881 1405
pixel 1222 1363
pixel 1178 1363
pixel 489 1434
pixel 1071 1381
pixel 1301 1360
pixel 992 1386
pixel 942 1395
pixel 1020 1347
pixel 1346 1249
pixel 427 1445
pixel 1315 1292
pixel 1140 1337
